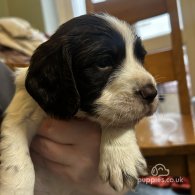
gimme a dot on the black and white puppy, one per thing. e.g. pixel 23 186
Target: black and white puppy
pixel 91 67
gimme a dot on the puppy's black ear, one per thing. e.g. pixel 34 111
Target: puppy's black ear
pixel 50 80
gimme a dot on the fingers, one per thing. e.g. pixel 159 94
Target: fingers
pixel 56 168
pixel 67 142
pixel 69 174
pixel 68 148
pixel 68 132
pixel 62 154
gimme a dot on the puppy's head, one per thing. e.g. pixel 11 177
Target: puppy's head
pixel 93 63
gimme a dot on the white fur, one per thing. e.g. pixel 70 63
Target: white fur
pixel 18 128
pixel 121 161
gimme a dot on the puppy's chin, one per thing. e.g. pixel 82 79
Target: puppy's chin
pixel 117 123
pixel 124 116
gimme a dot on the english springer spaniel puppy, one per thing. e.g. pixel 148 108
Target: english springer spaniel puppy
pixel 91 67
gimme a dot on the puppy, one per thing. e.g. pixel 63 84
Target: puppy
pixel 91 67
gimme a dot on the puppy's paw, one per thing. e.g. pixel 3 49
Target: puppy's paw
pixel 121 167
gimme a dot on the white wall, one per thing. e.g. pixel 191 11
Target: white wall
pixel 60 11
pixel 50 15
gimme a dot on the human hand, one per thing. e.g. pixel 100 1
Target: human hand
pixel 71 151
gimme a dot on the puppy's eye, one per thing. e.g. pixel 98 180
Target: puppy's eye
pixel 104 67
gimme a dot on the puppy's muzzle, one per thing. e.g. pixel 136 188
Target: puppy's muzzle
pixel 148 93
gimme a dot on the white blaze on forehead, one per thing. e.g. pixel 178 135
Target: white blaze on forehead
pixel 122 27
pixel 125 30
pixel 132 69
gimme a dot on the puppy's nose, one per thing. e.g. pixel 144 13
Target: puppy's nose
pixel 148 93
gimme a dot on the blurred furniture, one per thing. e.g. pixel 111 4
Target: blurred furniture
pixel 166 138
pixel 18 40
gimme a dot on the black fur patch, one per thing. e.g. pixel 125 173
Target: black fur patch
pixel 70 70
pixel 139 50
